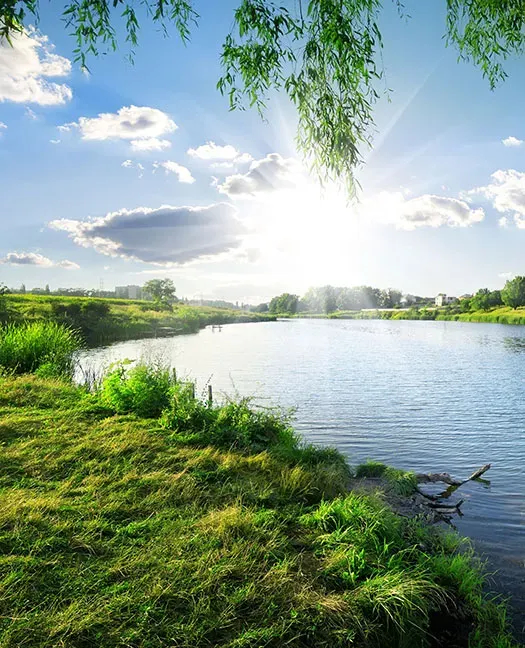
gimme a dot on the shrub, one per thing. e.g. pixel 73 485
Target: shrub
pixel 40 346
pixel 143 390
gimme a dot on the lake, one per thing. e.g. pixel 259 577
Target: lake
pixel 425 396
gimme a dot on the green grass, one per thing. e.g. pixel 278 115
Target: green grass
pixel 107 320
pixel 211 526
pixel 43 347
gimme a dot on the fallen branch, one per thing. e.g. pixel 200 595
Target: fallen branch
pixel 445 478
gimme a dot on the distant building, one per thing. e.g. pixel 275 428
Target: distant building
pixel 445 300
pixel 128 292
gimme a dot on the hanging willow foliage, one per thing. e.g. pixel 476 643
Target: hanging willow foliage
pixel 325 54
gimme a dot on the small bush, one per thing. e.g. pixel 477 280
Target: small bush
pixel 143 390
pixel 44 347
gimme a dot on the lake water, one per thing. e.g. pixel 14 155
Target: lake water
pixel 425 396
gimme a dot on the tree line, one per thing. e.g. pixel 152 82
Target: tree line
pixel 329 299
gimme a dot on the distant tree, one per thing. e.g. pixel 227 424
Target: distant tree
pixel 162 291
pixel 23 289
pixel 285 304
pixel 260 308
pixel 513 294
pixel 4 290
pixel 330 300
pixel 47 289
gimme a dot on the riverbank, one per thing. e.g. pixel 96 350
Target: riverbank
pixel 210 526
pixel 499 315
pixel 101 321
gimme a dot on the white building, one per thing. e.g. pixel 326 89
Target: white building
pixel 128 292
pixel 445 300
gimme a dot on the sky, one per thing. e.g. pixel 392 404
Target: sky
pixel 139 170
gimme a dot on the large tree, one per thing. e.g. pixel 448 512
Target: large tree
pixel 513 294
pixel 325 54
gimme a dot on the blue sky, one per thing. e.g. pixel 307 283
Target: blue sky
pixel 150 175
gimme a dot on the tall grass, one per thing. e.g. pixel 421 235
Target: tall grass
pixel 45 348
pixel 214 528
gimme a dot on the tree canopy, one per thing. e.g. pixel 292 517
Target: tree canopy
pixel 513 294
pixel 162 291
pixel 325 54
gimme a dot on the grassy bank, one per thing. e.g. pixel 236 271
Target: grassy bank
pixel 500 315
pixel 208 526
pixel 107 320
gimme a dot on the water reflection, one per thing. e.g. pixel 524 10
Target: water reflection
pixel 515 344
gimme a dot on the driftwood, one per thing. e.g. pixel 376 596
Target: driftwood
pixel 440 508
pixel 445 478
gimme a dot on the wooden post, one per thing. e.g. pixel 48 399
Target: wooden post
pixel 210 396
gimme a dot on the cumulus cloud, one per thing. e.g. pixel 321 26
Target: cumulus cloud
pixel 54 141
pixel 212 152
pixel 141 125
pixel 512 142
pixel 423 211
pixel 183 174
pixel 2 125
pixel 222 157
pixel 506 192
pixel 270 174
pixel 27 66
pixel 163 236
pixel 33 259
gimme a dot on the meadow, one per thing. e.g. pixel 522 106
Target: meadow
pixel 101 321
pixel 208 526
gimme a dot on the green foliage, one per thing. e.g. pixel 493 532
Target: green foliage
pixel 162 291
pixel 513 294
pixel 400 481
pixel 325 55
pixel 143 390
pixel 43 347
pixel 286 304
pixel 233 425
pixel 113 533
pixel 485 299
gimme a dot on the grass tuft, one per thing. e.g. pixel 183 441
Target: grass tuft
pixel 44 348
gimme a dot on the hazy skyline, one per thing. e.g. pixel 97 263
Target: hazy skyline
pixel 141 171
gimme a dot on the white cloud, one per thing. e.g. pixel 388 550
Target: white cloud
pixel 2 125
pixel 393 208
pixel 211 151
pixel 54 141
pixel 506 275
pixel 506 192
pixel 33 259
pixel 141 125
pixel 151 144
pixel 163 236
pixel 512 142
pixel 183 174
pixel 222 157
pixel 26 67
pixel 130 164
pixel 66 128
pixel 270 174
pixel 30 114
pixel 503 222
